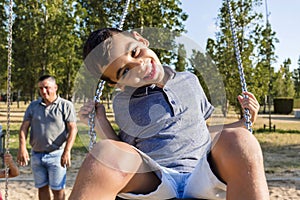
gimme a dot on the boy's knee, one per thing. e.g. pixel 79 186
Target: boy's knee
pixel 116 155
pixel 238 144
pixel 235 153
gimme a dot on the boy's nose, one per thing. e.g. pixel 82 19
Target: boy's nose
pixel 141 61
pixel 140 64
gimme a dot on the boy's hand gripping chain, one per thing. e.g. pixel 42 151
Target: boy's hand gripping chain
pixel 247 114
pixel 98 93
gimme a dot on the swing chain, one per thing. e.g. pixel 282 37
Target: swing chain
pixel 124 14
pixel 247 114
pixel 91 122
pixel 8 98
pixel 100 86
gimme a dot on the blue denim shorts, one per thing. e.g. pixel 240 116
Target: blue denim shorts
pixel 47 170
pixel 200 183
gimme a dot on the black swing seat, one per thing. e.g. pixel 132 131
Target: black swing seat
pixel 2 145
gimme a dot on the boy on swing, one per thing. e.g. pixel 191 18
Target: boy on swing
pixel 164 149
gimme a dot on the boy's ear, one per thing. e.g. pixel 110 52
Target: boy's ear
pixel 140 38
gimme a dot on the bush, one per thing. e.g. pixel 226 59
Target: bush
pixel 283 105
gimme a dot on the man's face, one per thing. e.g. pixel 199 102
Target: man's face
pixel 47 90
pixel 132 63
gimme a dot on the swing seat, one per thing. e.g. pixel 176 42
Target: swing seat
pixel 2 140
pixel 2 144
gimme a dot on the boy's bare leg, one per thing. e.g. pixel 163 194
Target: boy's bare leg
pixel 237 159
pixel 110 168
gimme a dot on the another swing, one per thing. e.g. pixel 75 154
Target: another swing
pixel 8 99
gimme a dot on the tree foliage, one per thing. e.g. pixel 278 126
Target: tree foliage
pixel 181 63
pixel 296 78
pixel 3 45
pixel 283 82
pixel 48 36
pixel 254 43
pixel 205 69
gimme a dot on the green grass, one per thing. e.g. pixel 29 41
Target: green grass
pixel 81 142
pixel 281 151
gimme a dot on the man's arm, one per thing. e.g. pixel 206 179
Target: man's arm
pixel 66 156
pixel 23 156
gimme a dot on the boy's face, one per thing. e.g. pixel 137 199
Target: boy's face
pixel 132 63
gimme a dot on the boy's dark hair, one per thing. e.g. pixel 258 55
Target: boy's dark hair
pixel 44 77
pixel 95 51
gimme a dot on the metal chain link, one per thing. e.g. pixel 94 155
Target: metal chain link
pixel 247 114
pixel 124 14
pixel 8 97
pixel 91 122
pixel 100 86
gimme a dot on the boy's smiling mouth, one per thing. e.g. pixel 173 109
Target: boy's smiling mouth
pixel 151 71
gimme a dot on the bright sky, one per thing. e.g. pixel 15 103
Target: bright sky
pixel 283 16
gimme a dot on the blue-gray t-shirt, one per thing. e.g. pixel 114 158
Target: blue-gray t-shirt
pixel 169 123
pixel 48 124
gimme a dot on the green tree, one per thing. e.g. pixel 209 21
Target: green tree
pixel 3 45
pixel 264 71
pixel 206 71
pixel 296 77
pixel 248 29
pixel 181 63
pixel 283 83
pixel 27 46
pixel 46 41
pixel 65 48
pixel 48 35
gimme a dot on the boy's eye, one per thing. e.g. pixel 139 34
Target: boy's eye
pixel 125 71
pixel 134 52
pixel 122 72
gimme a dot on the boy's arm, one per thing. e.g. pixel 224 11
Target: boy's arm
pixel 250 103
pixel 105 129
pixel 102 124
